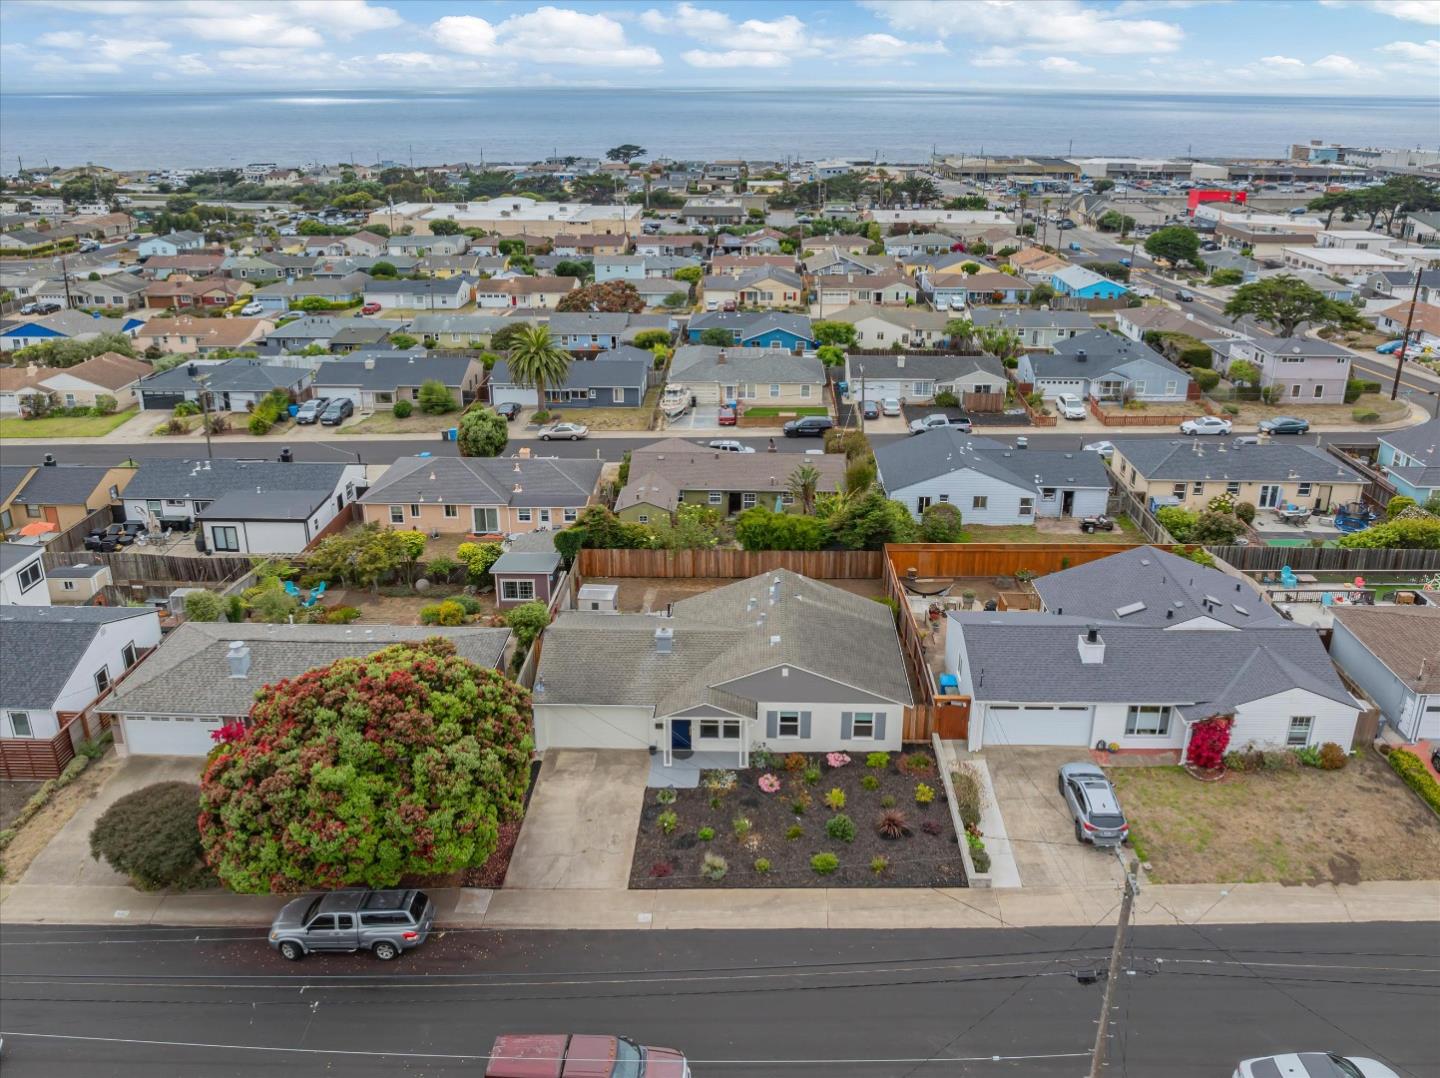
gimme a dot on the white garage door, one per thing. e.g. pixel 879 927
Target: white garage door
pixel 1429 723
pixel 159 735
pixel 1037 725
pixel 578 727
pixel 351 393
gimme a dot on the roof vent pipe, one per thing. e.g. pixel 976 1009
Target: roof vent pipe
pixel 239 659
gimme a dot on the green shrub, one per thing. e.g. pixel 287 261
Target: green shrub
pixel 946 399
pixel 259 424
pixel 1332 756
pixel 979 855
pixel 1309 755
pixel 793 832
pixel 968 798
pixel 341 615
pixel 870 782
pixel 1397 505
pixel 762 866
pixel 841 828
pixel 401 409
pixel 1230 409
pixel 1205 379
pixel 823 864
pixel 835 798
pixel 1365 415
pixel 879 864
pixel 888 801
pixel 1246 512
pixel 204 606
pixel 667 822
pixel 666 795
pixel 527 621
pixel 185 408
pixel 877 760
pixel 448 612
pixel 705 834
pixel 714 867
pixel 1279 760
pixel 1414 774
pixel 151 836
pixel 924 794
pixel 435 398
pixel 811 775
pixel 742 826
pixel 441 568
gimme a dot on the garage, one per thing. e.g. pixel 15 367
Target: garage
pixel 154 400
pixel 574 726
pixel 1040 725
pixel 169 735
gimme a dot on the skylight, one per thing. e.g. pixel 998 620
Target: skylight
pixel 1128 609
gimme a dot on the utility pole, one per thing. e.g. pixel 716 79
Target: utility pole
pixel 1405 344
pixel 204 381
pixel 1117 952
pixel 65 276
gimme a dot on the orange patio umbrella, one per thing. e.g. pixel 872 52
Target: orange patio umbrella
pixel 39 527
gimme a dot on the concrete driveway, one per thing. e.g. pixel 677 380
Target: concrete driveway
pixel 579 832
pixel 1041 832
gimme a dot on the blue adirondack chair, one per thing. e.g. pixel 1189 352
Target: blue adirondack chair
pixel 291 589
pixel 316 594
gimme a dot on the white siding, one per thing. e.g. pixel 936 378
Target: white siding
pixel 825 729
pixel 521 395
pixel 42 723
pixel 1265 722
pixel 350 393
pixel 35 595
pixel 1088 502
pixel 262 537
pixel 586 726
pixel 1110 725
pixel 961 488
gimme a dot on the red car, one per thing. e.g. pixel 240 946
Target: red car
pixel 580 1055
pixel 727 417
pixel 370 308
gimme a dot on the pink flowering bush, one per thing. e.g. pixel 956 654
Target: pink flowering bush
pixel 404 762
pixel 228 734
pixel 837 759
pixel 769 784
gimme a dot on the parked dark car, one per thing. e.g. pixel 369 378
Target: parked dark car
pixel 1285 424
pixel 337 411
pixel 509 410
pixel 727 417
pixel 381 922
pixel 311 410
pixel 871 410
pixel 810 426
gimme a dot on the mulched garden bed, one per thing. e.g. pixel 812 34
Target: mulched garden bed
pixel 751 825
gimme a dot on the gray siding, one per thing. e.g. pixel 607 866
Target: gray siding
pixel 962 487
pixel 1395 699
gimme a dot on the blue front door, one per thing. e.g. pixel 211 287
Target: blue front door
pixel 679 733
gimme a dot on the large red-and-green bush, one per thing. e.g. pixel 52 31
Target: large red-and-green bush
pixel 1208 741
pixel 367 770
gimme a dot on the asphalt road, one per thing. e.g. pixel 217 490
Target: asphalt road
pixel 126 1001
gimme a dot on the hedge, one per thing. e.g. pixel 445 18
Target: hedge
pixel 1416 775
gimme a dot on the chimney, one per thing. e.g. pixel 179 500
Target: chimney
pixel 32 369
pixel 239 659
pixel 192 370
pixel 1080 356
pixel 664 640
pixel 1092 648
pixel 370 363
pixel 720 358
pixel 49 460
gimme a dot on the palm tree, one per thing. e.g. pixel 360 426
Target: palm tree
pixel 536 360
pixel 804 482
pixel 962 333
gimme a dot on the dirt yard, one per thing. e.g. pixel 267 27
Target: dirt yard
pixel 13 795
pixel 1051 530
pixel 644 594
pixel 1251 412
pixel 396 609
pixel 1304 827
pixel 46 824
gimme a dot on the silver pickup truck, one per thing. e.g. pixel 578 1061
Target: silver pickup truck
pixel 381 922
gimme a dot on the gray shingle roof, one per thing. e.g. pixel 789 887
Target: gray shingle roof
pixel 701 363
pixel 939 452
pixel 189 675
pixel 1191 459
pixel 231 376
pixel 11 476
pixel 43 644
pixel 543 481
pixel 386 371
pixel 586 374
pixel 61 484
pixel 1202 672
pixel 80 571
pixel 1422 442
pixel 1172 590
pixel 662 469
pixel 940 368
pixel 164 477
pixel 271 505
pixel 1028 319
pixel 1104 352
pixel 433 324
pixel 518 561
pixel 753 323
pixel 611 659
pixel 13 554
pixel 563 323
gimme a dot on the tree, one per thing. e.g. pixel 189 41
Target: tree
pixel 625 152
pixel 483 433
pixel 675 300
pixel 1003 344
pixel 1408 533
pixel 689 274
pixel 477 559
pixel 404 762
pixel 1116 271
pixel 1114 221
pixel 804 483
pixel 830 355
pixel 941 523
pixel 760 528
pixel 716 337
pixel 582 270
pixel 1221 277
pixel 527 621
pixel 836 333
pixel 1286 302
pixel 445 226
pixel 504 337
pixel 67 353
pixel 1041 294
pixel 403 341
pixel 872 520
pixel 536 360
pixel 1176 244
pixel 961 333
pixel 694 527
pixel 1218 528
pixel 203 606
pixel 435 398
pixel 611 296
pixel 150 835
pixel 1102 185
pixel 1243 372
pixel 384 269
pixel 647 339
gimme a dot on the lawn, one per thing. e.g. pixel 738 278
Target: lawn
pixel 767 839
pixel 767 412
pixel 416 423
pixel 1301 827
pixel 611 418
pixel 1125 532
pixel 90 426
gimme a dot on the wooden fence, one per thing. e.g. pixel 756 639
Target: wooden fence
pixel 1144 418
pixel 1304 559
pixel 1378 490
pixel 130 568
pixel 937 560
pixel 983 402
pixel 73 538
pixel 1139 513
pixel 732 564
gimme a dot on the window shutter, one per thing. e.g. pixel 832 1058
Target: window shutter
pixel 805 724
pixel 879 725
pixel 772 724
pixel 847 724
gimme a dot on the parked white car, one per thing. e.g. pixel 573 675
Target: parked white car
pixel 573 431
pixel 890 406
pixel 250 310
pixel 729 445
pixel 1313 1065
pixel 1206 424
pixel 1070 406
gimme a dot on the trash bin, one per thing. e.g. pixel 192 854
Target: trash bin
pixel 294 410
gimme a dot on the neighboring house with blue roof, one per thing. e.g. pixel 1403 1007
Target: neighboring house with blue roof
pixel 1410 459
pixel 64 325
pixel 757 329
pixel 1105 367
pixel 233 385
pixel 592 383
pixel 1082 283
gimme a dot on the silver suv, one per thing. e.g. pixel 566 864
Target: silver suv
pixel 1093 805
pixel 381 922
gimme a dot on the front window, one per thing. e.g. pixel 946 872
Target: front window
pixel 747 500
pixel 716 729
pixel 788 724
pixel 862 726
pixel 524 516
pixel 225 538
pixel 397 514
pixel 1298 736
pixel 31 575
pixel 1147 720
pixel 1295 390
pixel 1027 507
pixel 980 501
pixel 20 724
pixel 715 497
pixel 517 590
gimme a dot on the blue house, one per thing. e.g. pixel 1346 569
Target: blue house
pixel 757 329
pixel 591 383
pixel 1411 460
pixel 1082 283
pixel 172 244
pixel 588 331
pixel 64 325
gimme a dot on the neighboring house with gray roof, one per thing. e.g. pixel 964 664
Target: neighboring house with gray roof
pixel 756 329
pixel 1189 472
pixel 199 680
pixel 1303 370
pixel 1035 328
pixel 526 576
pixel 233 385
pixel 1393 653
pixel 457 330
pixel 22 575
pixel 1086 681
pixel 59 659
pixel 917 378
pixel 598 383
pixel 1106 367
pixel 65 494
pixel 382 378
pixel 755 376
pixel 989 482
pixel 482 495
pixel 779 660
pixel 1410 459
pixel 1146 586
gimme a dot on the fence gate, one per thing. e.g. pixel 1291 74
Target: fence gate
pixel 952 720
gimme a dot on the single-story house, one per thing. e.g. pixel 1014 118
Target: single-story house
pixel 767 287
pixel 1083 283
pixel 466 265
pixel 1102 366
pixel 232 385
pixel 673 472
pixel 17 383
pixel 382 378
pixel 22 576
pixel 918 243
pixel 432 293
pixel 1086 681
pixel 206 674
pixel 954 288
pixel 195 266
pixel 171 244
pixel 60 660
pixel 109 374
pixel 676 244
pixel 179 291
pixel 758 376
pixel 657 292
pixel 757 329
pixel 365 244
pixel 764 242
pixel 257 268
pixel 1188 473
pixel 590 245
pixel 63 326
pixel 482 495
pixel 1226 259
pixel 1135 322
pixel 65 494
pixel 302 333
pixel 831 261
pixel 456 330
pixel 1409 459
pixel 587 331
pixel 598 383
pixel 427 244
pixel 524 293
pixel 1400 284
pixel 1393 653
pixel 917 378
pixel 988 481
pixel 279 297
pixel 885 287
pixel 188 335
pixel 1147 586
pixel 1307 371
pixel 825 674
pixel 1347 262
pixel 881 328
pixel 523 577
pixel 119 291
pixel 1424 326
pixel 635 268
pixel 1036 265
pixel 1036 329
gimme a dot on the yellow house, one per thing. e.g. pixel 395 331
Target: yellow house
pixel 1191 472
pixel 63 494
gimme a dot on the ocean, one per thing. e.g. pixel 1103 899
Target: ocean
pixel 301 127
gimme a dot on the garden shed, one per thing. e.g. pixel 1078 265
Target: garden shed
pixel 525 576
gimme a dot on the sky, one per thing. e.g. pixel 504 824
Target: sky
pixel 1339 47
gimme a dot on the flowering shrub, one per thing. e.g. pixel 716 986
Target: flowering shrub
pixel 404 762
pixel 228 734
pixel 1208 741
pixel 769 784
pixel 836 759
pixel 924 794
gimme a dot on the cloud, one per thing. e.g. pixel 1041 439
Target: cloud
pixel 112 49
pixel 547 35
pixel 63 39
pixel 1424 11
pixel 464 33
pixel 294 24
pixel 1059 25
pixel 1335 64
pixel 1421 52
pixel 1061 65
pixel 735 58
pixel 998 56
pixel 1282 61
